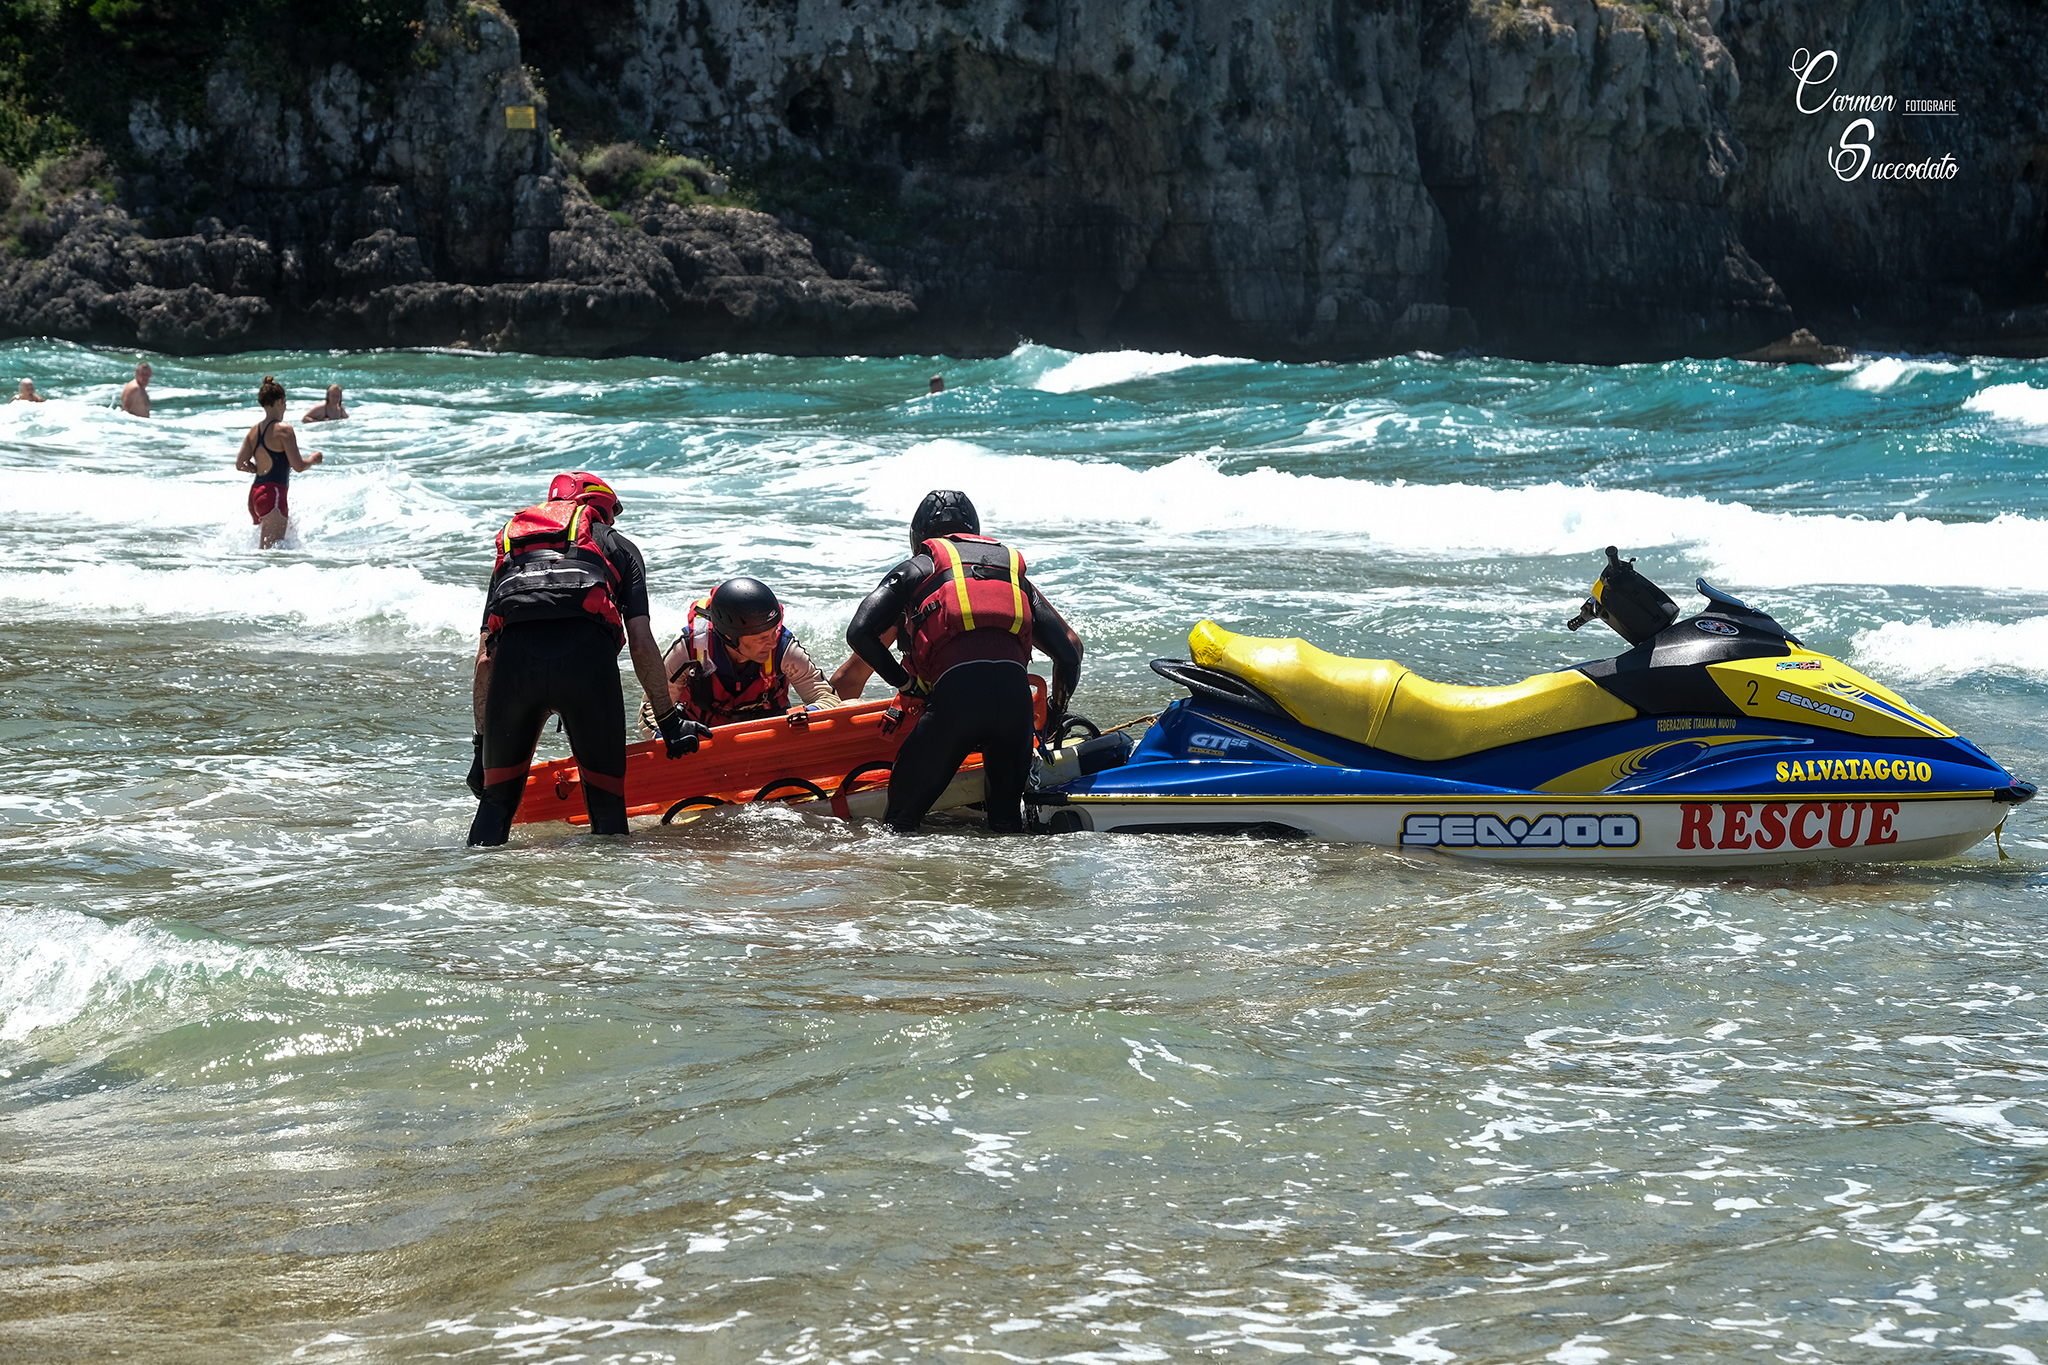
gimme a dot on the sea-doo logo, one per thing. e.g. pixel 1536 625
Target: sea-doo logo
pixel 1545 831
pixel 1838 712
pixel 1713 627
pixel 1789 664
pixel 1216 744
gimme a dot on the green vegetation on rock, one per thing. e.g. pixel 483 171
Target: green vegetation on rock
pixel 623 174
pixel 26 198
pixel 70 68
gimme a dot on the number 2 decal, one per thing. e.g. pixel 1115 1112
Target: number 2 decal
pixel 1752 691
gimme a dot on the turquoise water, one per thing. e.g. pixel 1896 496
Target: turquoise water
pixel 287 1073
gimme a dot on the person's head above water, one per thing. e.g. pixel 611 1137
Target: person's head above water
pixel 271 393
pixel 580 485
pixel 944 512
pixel 743 609
pixel 334 395
pixel 142 372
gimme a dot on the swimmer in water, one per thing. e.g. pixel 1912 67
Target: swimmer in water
pixel 27 393
pixel 135 393
pixel 271 452
pixel 329 411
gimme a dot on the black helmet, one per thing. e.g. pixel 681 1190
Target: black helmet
pixel 944 512
pixel 742 607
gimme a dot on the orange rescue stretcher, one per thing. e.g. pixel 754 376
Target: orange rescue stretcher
pixel 840 757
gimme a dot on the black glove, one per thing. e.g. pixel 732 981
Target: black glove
pixel 476 767
pixel 1055 716
pixel 681 736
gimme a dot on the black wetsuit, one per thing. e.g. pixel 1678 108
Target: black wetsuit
pixel 565 661
pixel 981 699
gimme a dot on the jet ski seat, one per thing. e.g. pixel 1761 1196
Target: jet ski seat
pixel 1383 704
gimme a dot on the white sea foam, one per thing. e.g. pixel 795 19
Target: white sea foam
pixel 1104 368
pixel 55 965
pixel 204 513
pixel 2018 403
pixel 1363 422
pixel 1888 371
pixel 1193 497
pixel 1925 652
pixel 301 594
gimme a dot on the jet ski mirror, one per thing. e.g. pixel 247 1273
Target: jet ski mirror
pixel 1634 607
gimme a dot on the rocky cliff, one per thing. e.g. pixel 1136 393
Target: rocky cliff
pixel 1627 179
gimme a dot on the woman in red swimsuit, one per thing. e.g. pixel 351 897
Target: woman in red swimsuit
pixel 271 452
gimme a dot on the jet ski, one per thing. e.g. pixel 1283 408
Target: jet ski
pixel 1715 740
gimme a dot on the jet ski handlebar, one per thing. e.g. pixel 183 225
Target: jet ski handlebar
pixel 1631 604
pixel 1639 610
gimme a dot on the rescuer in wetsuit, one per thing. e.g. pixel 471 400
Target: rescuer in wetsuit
pixel 567 592
pixel 967 619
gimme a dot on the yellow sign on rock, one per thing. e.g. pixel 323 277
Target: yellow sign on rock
pixel 519 116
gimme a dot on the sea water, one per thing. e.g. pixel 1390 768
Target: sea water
pixel 287 1073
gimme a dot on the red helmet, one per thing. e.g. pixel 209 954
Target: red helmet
pixel 584 487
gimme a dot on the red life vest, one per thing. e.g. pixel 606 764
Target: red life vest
pixel 716 689
pixel 977 584
pixel 550 566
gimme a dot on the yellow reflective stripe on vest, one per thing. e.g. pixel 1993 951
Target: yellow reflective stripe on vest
pixel 573 517
pixel 505 538
pixel 960 588
pixel 1016 592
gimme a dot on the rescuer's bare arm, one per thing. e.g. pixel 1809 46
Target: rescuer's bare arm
pixel 480 680
pixel 648 665
pixel 850 679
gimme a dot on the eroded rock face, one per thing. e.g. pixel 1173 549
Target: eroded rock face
pixel 675 281
pixel 1337 178
pixel 1584 157
pixel 1950 263
pixel 342 171
pixel 418 216
pixel 1567 179
pixel 1598 179
pixel 104 282
pixel 1217 174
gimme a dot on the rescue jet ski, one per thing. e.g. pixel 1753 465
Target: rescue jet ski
pixel 1714 740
